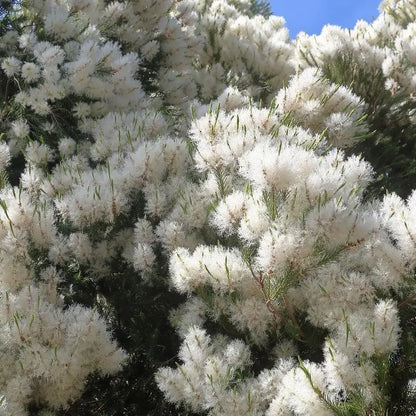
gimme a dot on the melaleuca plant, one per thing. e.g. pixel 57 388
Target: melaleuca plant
pixel 90 121
pixel 186 201
pixel 284 314
pixel 375 60
pixel 243 288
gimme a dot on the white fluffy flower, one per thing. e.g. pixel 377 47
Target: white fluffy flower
pixel 20 128
pixel 67 146
pixel 11 66
pixel 38 154
pixel 30 72
pixel 276 167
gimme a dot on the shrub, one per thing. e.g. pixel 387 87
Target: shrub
pixel 200 215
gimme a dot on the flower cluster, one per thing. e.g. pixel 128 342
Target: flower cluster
pixel 48 350
pixel 295 236
pixel 192 146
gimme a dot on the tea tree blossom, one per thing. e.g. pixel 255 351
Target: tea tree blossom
pixel 11 66
pixel 47 346
pixel 188 162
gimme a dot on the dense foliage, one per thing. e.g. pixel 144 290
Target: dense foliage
pixel 199 215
